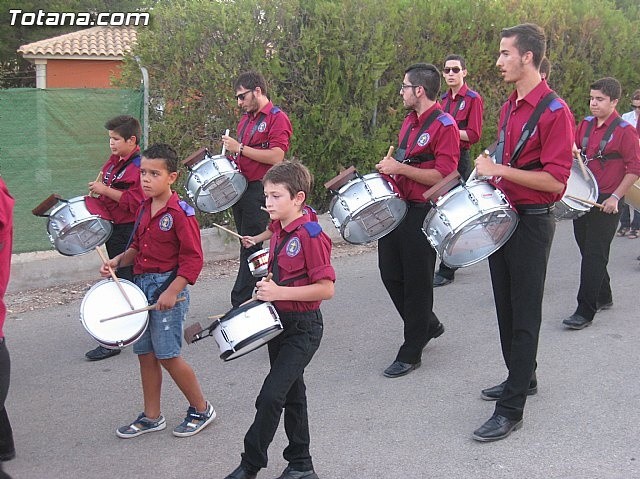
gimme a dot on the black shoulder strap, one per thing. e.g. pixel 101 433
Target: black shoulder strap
pixel 603 143
pixel 402 149
pixel 125 164
pixel 530 126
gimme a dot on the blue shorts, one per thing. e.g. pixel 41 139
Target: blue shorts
pixel 163 336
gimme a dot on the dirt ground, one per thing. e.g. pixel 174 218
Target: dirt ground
pixel 33 299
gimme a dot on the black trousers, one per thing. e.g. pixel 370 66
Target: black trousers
pixel 406 261
pixel 518 272
pixel 117 243
pixel 594 232
pixel 6 432
pixel 250 221
pixel 289 354
pixel 464 168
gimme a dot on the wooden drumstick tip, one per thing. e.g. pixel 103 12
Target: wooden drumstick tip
pixel 390 152
pixel 264 209
pixel 486 153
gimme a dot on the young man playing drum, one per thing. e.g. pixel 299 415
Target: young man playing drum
pixel 302 277
pixel 533 178
pixel 429 150
pixel 117 195
pixel 263 136
pixel 611 147
pixel 466 107
pixel 166 254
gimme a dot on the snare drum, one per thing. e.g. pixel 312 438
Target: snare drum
pixel 632 196
pixel 246 328
pixel 259 263
pixel 580 187
pixel 104 300
pixel 469 223
pixel 367 208
pixel 215 183
pixel 73 230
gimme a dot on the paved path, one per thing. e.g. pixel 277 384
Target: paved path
pixel 583 423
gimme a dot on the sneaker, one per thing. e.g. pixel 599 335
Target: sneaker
pixel 195 421
pixel 141 425
pixel 101 353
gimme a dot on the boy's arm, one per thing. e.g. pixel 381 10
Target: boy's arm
pixel 248 241
pixel 269 291
pixel 167 299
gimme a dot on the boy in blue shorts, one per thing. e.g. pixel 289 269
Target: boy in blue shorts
pixel 300 262
pixel 166 254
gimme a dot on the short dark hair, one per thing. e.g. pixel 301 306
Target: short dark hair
pixel 427 76
pixel 529 38
pixel 162 151
pixel 545 68
pixel 459 58
pixel 293 175
pixel 609 86
pixel 126 126
pixel 251 80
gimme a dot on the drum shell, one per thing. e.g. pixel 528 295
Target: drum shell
pixel 461 211
pixel 578 186
pixel 104 299
pixel 73 230
pixel 355 200
pixel 259 263
pixel 632 197
pixel 246 328
pixel 215 184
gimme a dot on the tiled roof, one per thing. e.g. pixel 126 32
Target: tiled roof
pixel 103 41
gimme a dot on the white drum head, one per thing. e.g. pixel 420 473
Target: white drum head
pixel 104 300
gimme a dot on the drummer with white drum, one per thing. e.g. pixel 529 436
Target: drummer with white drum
pixel 263 136
pixel 429 148
pixel 532 170
pixel 610 146
pixel 116 194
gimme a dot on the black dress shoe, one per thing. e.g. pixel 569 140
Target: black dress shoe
pixel 439 280
pixel 101 353
pixel 289 473
pixel 495 393
pixel 603 306
pixel 398 368
pixel 496 428
pixel 241 473
pixel 575 321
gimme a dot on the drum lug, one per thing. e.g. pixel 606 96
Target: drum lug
pixel 472 198
pixel 344 205
pixel 444 219
pixel 226 338
pixel 336 223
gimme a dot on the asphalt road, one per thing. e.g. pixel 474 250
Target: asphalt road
pixel 582 424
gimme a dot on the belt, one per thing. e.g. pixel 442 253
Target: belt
pixel 535 209
pixel 416 204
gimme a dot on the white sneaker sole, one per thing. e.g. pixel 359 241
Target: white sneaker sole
pixel 122 435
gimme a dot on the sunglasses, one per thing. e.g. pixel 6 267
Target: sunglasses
pixel 240 96
pixel 451 69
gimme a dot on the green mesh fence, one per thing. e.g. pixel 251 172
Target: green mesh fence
pixel 54 141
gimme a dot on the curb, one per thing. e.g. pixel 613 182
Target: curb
pixel 45 269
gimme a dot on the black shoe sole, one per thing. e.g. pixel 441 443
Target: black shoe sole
pixel 486 397
pixel 113 352
pixel 404 373
pixel 515 427
pixel 577 327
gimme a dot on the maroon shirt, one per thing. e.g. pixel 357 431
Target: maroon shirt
pixel 307 251
pixel 6 240
pixel 127 181
pixel 469 116
pixel 169 240
pixel 624 142
pixel 441 139
pixel 550 144
pixel 271 128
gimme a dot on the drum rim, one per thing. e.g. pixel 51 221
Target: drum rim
pixel 59 239
pixel 226 356
pixel 243 308
pixel 350 217
pixel 260 252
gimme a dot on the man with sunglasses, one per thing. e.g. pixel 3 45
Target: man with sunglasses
pixel 630 227
pixel 263 136
pixel 429 148
pixel 466 107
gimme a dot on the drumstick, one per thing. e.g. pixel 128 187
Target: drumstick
pixel 264 209
pixel 113 275
pixel 390 152
pixel 232 233
pixel 136 311
pixel 588 202
pixel 582 167
pixel 224 148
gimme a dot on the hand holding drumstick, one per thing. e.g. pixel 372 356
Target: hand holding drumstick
pixel 485 166
pixel 388 165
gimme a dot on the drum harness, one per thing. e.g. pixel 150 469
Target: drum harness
pixel 527 131
pixel 402 149
pixel 121 186
pixel 614 155
pixel 261 117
